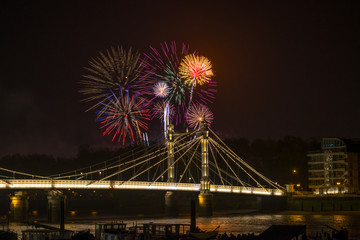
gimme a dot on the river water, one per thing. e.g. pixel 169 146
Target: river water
pixel 238 224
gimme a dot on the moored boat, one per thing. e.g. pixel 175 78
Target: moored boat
pixel 114 230
pixel 165 231
pixel 204 235
pixel 8 235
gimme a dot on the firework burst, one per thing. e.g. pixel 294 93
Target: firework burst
pixel 163 65
pixel 161 89
pixel 114 69
pixel 123 116
pixel 196 69
pixel 197 114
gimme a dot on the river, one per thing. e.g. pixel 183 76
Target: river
pixel 239 224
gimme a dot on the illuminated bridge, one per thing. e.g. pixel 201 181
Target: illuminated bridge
pixel 193 161
pixel 135 185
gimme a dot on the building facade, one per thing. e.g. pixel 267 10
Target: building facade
pixel 335 168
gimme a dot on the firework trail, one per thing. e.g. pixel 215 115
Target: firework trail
pixel 161 90
pixel 159 107
pixel 114 69
pixel 123 116
pixel 164 110
pixel 197 114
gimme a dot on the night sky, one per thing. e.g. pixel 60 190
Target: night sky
pixel 283 67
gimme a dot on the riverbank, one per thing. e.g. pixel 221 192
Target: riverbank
pixel 90 218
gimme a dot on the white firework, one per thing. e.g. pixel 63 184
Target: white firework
pixel 161 89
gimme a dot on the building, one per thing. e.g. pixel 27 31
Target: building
pixel 335 168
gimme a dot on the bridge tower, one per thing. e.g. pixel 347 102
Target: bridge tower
pixel 205 197
pixel 171 207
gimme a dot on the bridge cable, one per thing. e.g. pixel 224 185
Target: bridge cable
pixel 162 160
pixel 136 165
pixel 231 152
pixel 217 167
pixel 190 142
pixel 116 159
pixel 117 165
pixel 21 173
pixel 241 182
pixel 253 170
pixel 187 165
pixel 247 165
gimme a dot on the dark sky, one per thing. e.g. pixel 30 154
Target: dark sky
pixel 282 67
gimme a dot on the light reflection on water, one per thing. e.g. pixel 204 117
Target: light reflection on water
pixel 255 223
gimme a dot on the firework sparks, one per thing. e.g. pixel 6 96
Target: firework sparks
pixel 196 69
pixel 161 89
pixel 163 65
pixel 197 114
pixel 159 110
pixel 123 116
pixel 115 69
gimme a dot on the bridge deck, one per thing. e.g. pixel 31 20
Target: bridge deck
pixel 91 184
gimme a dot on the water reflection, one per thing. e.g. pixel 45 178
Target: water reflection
pixel 254 223
pixel 297 219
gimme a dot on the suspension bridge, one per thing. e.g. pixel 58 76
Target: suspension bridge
pixel 215 167
pixel 196 161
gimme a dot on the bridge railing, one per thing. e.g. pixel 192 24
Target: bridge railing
pixel 91 184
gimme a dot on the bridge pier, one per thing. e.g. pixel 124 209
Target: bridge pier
pixel 54 205
pixel 205 204
pixel 19 207
pixel 171 204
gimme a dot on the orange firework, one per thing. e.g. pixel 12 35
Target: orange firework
pixel 196 69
